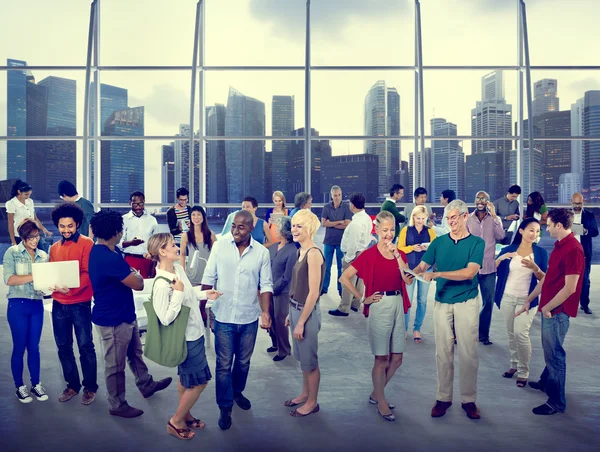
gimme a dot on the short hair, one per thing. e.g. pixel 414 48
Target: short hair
pixel 280 194
pixel 244 213
pixel 416 210
pixel 67 210
pixel 158 241
pixel 358 200
pixel 106 224
pixel 285 227
pixel 514 190
pixel 301 199
pixel 384 215
pixel 420 191
pixel 450 195
pixel 459 205
pixel 26 228
pixel 487 195
pixel 66 188
pixel 308 220
pixel 182 191
pixel 138 194
pixel 562 216
pixel 252 200
pixel 335 188
pixel 395 189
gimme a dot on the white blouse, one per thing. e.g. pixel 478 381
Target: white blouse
pixel 20 210
pixel 519 277
pixel 167 302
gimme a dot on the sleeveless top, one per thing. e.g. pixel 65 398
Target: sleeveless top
pixel 414 237
pixel 299 284
pixel 258 233
pixel 195 272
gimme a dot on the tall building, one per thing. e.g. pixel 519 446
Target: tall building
pixel 404 178
pixel 320 156
pixel 282 124
pixel 353 173
pixel 577 160
pixel 489 172
pixel 591 149
pixel 545 97
pixel 268 175
pixel 181 150
pixel 568 184
pixel 425 177
pixel 448 160
pixel 382 118
pixel 37 119
pixel 168 174
pixel 216 166
pixel 16 119
pixel 532 177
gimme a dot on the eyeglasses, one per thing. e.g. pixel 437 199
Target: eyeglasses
pixel 137 204
pixel 482 198
pixel 33 238
pixel 455 217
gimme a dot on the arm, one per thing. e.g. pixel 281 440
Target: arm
pixel 84 274
pixel 167 305
pixel 342 224
pixel 11 228
pixel 591 231
pixel 345 280
pixel 532 296
pixel 397 215
pixel 421 268
pixel 210 275
pixel 544 214
pixel 402 242
pixel 266 290
pixel 499 233
pixel 183 249
pixel 315 261
pixel 172 222
pixel 284 280
pixel 39 223
pixel 463 274
pixel 10 276
pixel 568 289
pixel 408 279
pixel 267 233
pixel 134 281
pixel 348 244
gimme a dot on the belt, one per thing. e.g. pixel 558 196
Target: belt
pixel 140 256
pixel 391 293
pixel 297 306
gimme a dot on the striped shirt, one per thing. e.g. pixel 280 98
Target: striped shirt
pixel 182 215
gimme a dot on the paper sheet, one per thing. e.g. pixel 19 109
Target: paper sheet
pixel 417 277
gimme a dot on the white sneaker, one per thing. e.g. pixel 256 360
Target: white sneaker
pixel 23 395
pixel 39 392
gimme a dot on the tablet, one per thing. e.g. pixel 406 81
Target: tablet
pixel 577 228
pixel 51 274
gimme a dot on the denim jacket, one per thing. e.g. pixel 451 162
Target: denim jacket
pixel 18 262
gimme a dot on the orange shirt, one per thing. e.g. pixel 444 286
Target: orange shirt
pixel 77 249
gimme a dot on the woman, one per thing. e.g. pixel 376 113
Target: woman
pixel 519 268
pixel 386 302
pixel 284 256
pixel 279 210
pixel 536 209
pixel 20 207
pixel 304 312
pixel 25 313
pixel 260 233
pixel 167 299
pixel 413 241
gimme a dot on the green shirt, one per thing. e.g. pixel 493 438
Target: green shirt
pixel 448 255
pixel 390 206
pixel 88 212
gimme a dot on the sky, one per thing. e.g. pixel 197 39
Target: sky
pixel 272 32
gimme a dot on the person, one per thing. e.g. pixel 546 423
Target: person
pixel 357 238
pixel 260 232
pixel 335 218
pixel 283 258
pixel 536 209
pixel 167 300
pixel 302 200
pixel 304 316
pixel 413 242
pixel 507 208
pixel 559 292
pixel 587 220
pixel 72 308
pixel 278 210
pixel 519 268
pixel 178 216
pixel 25 312
pixel 67 192
pixel 389 205
pixel 458 256
pixel 19 207
pixel 420 197
pixel 385 304
pixel 113 314
pixel 138 227
pixel 241 265
pixel 446 198
pixel 484 223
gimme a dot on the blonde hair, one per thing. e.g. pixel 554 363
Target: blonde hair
pixel 308 220
pixel 417 210
pixel 157 242
pixel 281 195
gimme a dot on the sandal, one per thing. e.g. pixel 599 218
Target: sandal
pixel 388 417
pixel 195 424
pixel 181 433
pixel 296 413
pixel 372 401
pixel 290 403
pixel 521 383
pixel 418 339
pixel 510 373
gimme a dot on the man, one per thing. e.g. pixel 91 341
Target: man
pixel 302 200
pixel 507 208
pixel 67 192
pixel 396 194
pixel 458 257
pixel 446 197
pixel 357 237
pixel 560 290
pixel 420 197
pixel 484 223
pixel 72 308
pixel 586 219
pixel 240 265
pixel 178 216
pixel 138 227
pixel 335 218
pixel 114 315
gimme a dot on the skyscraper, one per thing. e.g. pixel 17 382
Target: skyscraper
pixel 353 173
pixel 489 171
pixel 182 162
pixel 568 184
pixel 545 96
pixel 591 149
pixel 320 156
pixel 168 174
pixel 16 119
pixel 533 178
pixel 448 160
pixel 424 176
pixel 577 160
pixel 216 165
pixel 282 123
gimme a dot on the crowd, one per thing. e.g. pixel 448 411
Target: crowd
pixel 269 273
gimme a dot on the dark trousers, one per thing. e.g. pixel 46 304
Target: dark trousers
pixel 554 377
pixel 77 317
pixel 584 300
pixel 280 334
pixel 487 286
pixel 328 251
pixel 233 341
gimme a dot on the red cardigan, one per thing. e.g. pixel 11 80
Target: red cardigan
pixel 74 250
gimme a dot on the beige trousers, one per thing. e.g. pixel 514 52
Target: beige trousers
pixel 347 298
pixel 461 319
pixel 519 344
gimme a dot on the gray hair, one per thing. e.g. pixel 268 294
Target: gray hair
pixel 285 227
pixel 459 205
pixel 335 188
pixel 301 199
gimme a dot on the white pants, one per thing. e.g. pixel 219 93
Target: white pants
pixel 519 343
pixel 462 320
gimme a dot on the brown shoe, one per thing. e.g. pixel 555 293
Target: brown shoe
pixel 67 395
pixel 439 409
pixel 128 412
pixel 87 397
pixel 160 385
pixel 472 410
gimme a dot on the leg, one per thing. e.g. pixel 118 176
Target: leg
pixel 443 322
pixel 115 340
pixel 507 307
pixel 225 337
pixel 294 316
pixel 143 380
pixel 554 331
pixel 328 252
pixel 487 285
pixel 585 288
pixel 82 322
pixel 18 321
pixel 466 318
pixel 187 399
pixel 273 329
pixel 62 325
pixel 339 256
pixel 244 346
pixel 347 297
pixel 378 375
pixel 523 342
pixel 282 307
pixel 411 295
pixel 36 323
pixel 422 291
pixel 395 360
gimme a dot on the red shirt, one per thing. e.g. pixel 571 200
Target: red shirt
pixel 77 249
pixel 566 259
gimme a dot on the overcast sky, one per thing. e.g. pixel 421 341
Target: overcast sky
pixel 271 32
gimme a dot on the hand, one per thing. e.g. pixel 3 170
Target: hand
pixel 147 256
pixel 546 312
pixel 418 248
pixel 525 308
pixel 13 243
pixel 299 332
pixel 508 255
pixel 213 294
pixel 287 320
pixel 48 233
pixel 392 247
pixel 491 209
pixel 135 242
pixel 64 290
pixel 430 276
pixel 529 263
pixel 407 277
pixel 177 284
pixel 512 217
pixel 585 231
pixel 265 322
pixel 375 298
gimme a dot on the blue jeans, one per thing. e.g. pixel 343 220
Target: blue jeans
pixel 233 340
pixel 65 319
pixel 487 286
pixel 328 251
pixel 26 319
pixel 422 290
pixel 554 376
pixel 584 299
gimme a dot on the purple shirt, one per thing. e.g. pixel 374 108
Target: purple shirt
pixel 490 230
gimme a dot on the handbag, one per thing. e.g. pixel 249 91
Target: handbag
pixel 165 345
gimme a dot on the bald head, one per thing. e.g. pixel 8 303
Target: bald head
pixel 577 202
pixel 243 216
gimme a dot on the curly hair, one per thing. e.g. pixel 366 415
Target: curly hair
pixel 67 210
pixel 106 224
pixel 562 216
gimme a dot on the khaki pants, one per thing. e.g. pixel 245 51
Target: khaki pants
pixel 519 343
pixel 347 298
pixel 462 320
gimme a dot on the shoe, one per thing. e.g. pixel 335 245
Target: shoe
pixel 67 395
pixel 88 397
pixel 338 313
pixel 537 385
pixel 271 349
pixel 181 433
pixel 544 410
pixel 586 310
pixel 521 383
pixel 291 403
pixel 225 418
pixel 23 394
pixel 242 401
pixel 388 417
pixel 440 408
pixel 295 412
pixel 486 342
pixel 278 358
pixel 354 309
pixel 160 385
pixel 372 401
pixel 39 392
pixel 510 373
pixel 472 410
pixel 128 413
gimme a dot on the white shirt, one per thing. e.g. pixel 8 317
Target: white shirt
pixel 357 236
pixel 238 278
pixel 142 227
pixel 519 277
pixel 167 302
pixel 577 220
pixel 20 210
pixel 443 228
